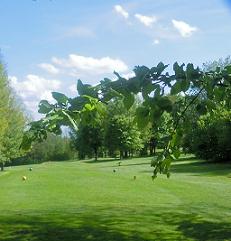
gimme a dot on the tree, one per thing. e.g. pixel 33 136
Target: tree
pixel 12 121
pixel 122 133
pixel 211 138
pixel 209 133
pixel 87 139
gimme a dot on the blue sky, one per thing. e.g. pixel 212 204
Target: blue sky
pixel 48 44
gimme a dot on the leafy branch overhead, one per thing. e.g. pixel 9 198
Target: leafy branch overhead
pixel 161 92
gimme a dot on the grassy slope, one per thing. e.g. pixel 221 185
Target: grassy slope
pixel 88 201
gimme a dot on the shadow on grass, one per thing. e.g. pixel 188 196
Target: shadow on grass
pixel 202 167
pixel 92 161
pixel 197 167
pixel 113 224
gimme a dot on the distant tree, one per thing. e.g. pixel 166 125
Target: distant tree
pixel 220 63
pixel 54 148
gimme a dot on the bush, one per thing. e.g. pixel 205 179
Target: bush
pixel 211 137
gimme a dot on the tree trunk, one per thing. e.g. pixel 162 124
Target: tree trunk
pixel 2 166
pixel 96 154
pixel 121 155
pixel 154 149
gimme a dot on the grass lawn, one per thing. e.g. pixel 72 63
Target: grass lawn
pixel 72 201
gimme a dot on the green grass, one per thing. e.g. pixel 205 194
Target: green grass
pixel 72 201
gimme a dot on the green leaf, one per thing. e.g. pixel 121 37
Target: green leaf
pixel 89 107
pixel 176 88
pixel 228 68
pixel 80 87
pixel 160 68
pixel 165 103
pixel 128 100
pixel 110 94
pixel 191 73
pixel 179 71
pixel 157 91
pixel 86 89
pixel 219 94
pixel 185 84
pixel 142 116
pixel 119 85
pixel 141 71
pixel 26 142
pixel 60 98
pixel 71 119
pixel 77 103
pixel 147 89
pixel 44 107
pixel 133 84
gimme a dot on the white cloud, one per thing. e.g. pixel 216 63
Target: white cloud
pixel 89 65
pixel 31 106
pixel 49 68
pixel 156 41
pixel 146 20
pixel 184 28
pixel 120 10
pixel 34 88
pixel 73 88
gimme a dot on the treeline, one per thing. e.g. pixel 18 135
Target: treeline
pixel 206 135
pixel 54 148
pixel 115 135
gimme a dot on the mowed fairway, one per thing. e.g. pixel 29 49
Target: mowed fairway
pixel 85 200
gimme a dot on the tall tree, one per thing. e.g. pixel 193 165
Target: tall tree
pixel 12 121
pixel 87 140
pixel 121 132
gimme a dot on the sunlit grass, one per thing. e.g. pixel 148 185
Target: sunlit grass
pixel 89 201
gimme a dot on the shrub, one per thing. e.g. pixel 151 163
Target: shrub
pixel 211 137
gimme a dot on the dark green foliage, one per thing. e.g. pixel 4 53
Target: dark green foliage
pixel 208 133
pixel 44 107
pixel 60 98
pixel 87 140
pixel 211 136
